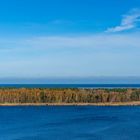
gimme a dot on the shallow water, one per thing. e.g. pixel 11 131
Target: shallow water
pixel 70 123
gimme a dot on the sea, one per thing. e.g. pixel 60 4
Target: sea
pixel 69 85
pixel 70 123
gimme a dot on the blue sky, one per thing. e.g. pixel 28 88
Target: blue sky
pixel 75 38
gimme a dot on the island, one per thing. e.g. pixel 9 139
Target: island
pixel 69 96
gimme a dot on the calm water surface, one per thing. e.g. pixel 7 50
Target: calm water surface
pixel 70 123
pixel 70 85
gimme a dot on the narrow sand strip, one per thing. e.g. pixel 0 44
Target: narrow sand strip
pixel 134 103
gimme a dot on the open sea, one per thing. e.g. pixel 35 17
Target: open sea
pixel 70 123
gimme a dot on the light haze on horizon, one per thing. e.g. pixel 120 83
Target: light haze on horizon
pixel 75 38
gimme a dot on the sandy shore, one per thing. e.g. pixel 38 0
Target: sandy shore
pixel 134 103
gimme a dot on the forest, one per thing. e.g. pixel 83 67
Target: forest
pixel 44 95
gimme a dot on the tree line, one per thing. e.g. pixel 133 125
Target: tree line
pixel 42 95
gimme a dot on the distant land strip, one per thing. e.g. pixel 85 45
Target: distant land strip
pixel 69 96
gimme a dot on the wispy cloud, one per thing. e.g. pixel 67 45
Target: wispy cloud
pixel 99 41
pixel 71 55
pixel 93 41
pixel 129 21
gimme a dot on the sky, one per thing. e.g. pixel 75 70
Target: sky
pixel 73 38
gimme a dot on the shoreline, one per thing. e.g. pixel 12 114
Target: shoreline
pixel 133 103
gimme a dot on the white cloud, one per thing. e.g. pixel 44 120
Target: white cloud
pixel 93 41
pixel 107 54
pixel 129 21
pixel 98 41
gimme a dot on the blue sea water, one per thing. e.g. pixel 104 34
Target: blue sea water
pixel 71 85
pixel 70 123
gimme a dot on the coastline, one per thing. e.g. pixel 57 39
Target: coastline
pixel 133 103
